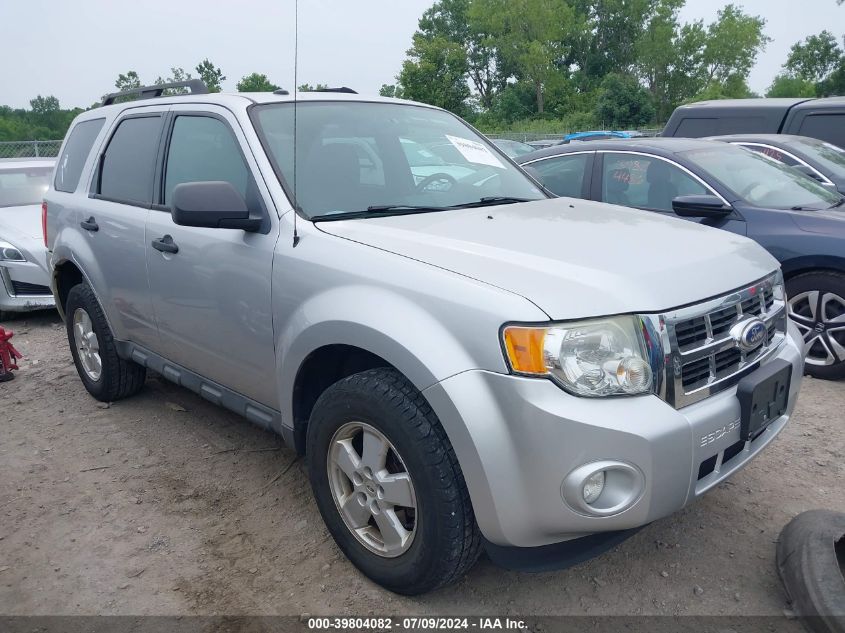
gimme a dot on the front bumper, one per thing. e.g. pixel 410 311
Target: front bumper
pixel 518 438
pixel 24 286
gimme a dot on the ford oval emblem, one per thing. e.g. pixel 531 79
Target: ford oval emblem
pixel 750 334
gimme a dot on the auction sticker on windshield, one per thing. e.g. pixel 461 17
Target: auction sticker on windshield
pixel 475 152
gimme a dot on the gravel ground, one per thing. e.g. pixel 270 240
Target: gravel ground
pixel 164 504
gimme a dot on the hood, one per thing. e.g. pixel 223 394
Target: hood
pixel 573 258
pixel 21 222
pixel 827 221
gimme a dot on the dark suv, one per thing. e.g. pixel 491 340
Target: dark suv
pixel 823 119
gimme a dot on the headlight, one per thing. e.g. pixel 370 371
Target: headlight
pixel 601 357
pixel 9 253
pixel 777 286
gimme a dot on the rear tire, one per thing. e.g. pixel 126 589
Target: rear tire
pixel 438 540
pixel 105 375
pixel 817 307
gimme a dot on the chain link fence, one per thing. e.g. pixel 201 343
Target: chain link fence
pixel 29 149
pixel 528 137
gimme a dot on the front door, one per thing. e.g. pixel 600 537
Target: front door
pixel 651 183
pixel 212 297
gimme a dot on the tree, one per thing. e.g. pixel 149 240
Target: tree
pixel 785 85
pixel 391 91
pixel 815 58
pixel 211 75
pixel 434 73
pixel 177 74
pixel 44 105
pixel 310 88
pixel 256 83
pixel 529 35
pixel 623 102
pixel 128 81
pixel 733 42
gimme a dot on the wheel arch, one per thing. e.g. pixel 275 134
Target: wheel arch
pixel 812 264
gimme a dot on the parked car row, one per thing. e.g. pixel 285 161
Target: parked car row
pixel 466 361
pixel 783 191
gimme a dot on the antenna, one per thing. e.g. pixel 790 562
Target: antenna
pixel 295 84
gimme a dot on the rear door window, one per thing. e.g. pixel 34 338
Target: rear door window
pixel 563 175
pixel 128 164
pixel 75 153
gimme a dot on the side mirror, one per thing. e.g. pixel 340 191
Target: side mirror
pixel 212 204
pixel 700 207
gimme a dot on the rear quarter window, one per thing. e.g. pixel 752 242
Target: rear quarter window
pixel 75 153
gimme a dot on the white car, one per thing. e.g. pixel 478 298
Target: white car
pixel 24 276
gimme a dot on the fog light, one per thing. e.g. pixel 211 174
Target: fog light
pixel 593 487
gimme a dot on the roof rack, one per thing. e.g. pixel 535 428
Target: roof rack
pixel 196 86
pixel 343 89
pixel 280 91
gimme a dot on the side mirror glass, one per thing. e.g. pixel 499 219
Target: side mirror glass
pixel 211 204
pixel 700 207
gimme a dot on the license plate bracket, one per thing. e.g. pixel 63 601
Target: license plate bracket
pixel 763 397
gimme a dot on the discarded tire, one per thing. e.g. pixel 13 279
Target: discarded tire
pixel 810 559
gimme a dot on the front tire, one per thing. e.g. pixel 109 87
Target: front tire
pixel 388 484
pixel 106 376
pixel 817 306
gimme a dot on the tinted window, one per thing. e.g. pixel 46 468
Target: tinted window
pixel 23 186
pixel 77 148
pixel 129 160
pixel 563 175
pixel 693 128
pixel 827 127
pixel 203 149
pixel 644 181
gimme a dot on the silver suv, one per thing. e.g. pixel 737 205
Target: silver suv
pixel 466 363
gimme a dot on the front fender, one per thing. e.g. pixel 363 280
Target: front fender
pixel 400 331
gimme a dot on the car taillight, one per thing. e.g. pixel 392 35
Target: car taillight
pixel 44 221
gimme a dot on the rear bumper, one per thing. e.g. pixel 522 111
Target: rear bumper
pixel 24 286
pixel 518 439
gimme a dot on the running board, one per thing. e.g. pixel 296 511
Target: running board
pixel 257 413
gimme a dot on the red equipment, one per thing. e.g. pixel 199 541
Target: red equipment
pixel 8 355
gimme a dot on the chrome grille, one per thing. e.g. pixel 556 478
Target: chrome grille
pixel 703 357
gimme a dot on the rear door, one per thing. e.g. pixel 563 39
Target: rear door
pixel 212 298
pixel 114 219
pixel 565 175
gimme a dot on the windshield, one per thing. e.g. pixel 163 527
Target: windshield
pixel 826 155
pixel 23 186
pixel 760 181
pixel 352 157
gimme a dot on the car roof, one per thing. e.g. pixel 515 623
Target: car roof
pixel 240 100
pixel 773 139
pixel 778 103
pixel 655 145
pixel 19 163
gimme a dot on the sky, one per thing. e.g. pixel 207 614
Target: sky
pixel 76 49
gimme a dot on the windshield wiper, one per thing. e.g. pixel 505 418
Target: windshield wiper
pixel 491 201
pixel 837 204
pixel 378 211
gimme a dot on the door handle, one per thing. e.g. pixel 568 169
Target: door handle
pixel 90 224
pixel 165 245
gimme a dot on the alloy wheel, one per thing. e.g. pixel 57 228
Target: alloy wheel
pixel 87 345
pixel 372 489
pixel 820 316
